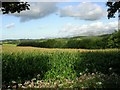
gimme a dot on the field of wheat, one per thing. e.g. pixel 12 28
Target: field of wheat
pixel 13 48
pixel 66 68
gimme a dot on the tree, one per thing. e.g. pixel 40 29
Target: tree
pixel 114 40
pixel 12 7
pixel 114 6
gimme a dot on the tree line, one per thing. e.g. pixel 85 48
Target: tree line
pixel 98 42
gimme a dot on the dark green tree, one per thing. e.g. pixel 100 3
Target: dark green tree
pixel 12 7
pixel 113 7
pixel 114 40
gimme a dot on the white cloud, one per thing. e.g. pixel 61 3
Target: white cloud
pixel 48 0
pixel 65 0
pixel 11 25
pixel 97 28
pixel 85 11
pixel 37 10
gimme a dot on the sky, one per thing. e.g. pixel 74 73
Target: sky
pixel 57 20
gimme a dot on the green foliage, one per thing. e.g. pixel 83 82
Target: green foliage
pixel 95 42
pixel 111 81
pixel 11 42
pixel 28 43
pixel 50 43
pixel 79 43
pixel 98 61
pixel 114 40
pixel 61 66
pixel 88 43
pixel 23 66
pixel 72 43
pixel 58 65
pixel 89 80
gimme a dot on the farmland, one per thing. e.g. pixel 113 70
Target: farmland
pixel 60 45
pixel 61 68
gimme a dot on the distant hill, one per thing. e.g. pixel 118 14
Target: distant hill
pixel 84 42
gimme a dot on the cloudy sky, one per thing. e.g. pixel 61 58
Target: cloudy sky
pixel 58 19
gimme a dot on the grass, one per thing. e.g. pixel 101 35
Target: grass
pixel 9 45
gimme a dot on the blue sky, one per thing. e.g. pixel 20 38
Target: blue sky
pixel 60 19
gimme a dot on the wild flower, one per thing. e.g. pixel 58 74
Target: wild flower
pixel 99 83
pixel 80 73
pixel 93 74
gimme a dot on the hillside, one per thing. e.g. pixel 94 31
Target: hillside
pixel 83 42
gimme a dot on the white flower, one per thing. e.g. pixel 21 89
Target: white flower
pixel 99 83
pixel 80 73
pixel 110 68
pixel 93 74
pixel 86 69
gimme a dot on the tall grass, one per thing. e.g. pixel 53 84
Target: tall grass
pixel 23 64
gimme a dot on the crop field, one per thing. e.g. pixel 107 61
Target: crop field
pixel 34 67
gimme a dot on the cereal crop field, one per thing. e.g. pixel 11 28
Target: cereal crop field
pixel 60 68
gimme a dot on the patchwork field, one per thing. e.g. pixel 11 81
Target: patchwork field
pixel 61 68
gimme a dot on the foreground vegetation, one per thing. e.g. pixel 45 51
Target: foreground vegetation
pixel 60 68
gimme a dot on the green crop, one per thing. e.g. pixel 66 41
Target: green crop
pixel 22 64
